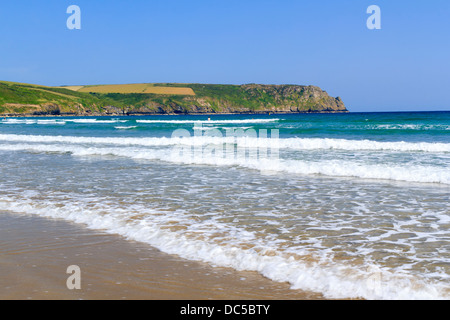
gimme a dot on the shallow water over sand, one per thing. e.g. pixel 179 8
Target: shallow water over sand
pixel 37 251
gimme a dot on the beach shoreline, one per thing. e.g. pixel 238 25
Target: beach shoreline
pixel 36 251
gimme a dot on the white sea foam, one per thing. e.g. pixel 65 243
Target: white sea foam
pixel 95 121
pixel 59 121
pixel 19 121
pixel 49 122
pixel 410 127
pixel 32 121
pixel 125 128
pixel 353 145
pixel 289 143
pixel 244 121
pixel 335 168
pixel 331 278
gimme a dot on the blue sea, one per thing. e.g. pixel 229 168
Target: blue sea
pixel 347 205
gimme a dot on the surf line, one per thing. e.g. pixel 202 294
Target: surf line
pixel 228 150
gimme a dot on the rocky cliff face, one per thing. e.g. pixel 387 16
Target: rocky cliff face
pixel 292 98
pixel 251 98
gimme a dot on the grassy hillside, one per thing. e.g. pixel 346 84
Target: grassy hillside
pixel 18 98
pixel 163 98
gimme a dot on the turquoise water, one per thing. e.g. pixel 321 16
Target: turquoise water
pixel 348 205
pixel 394 126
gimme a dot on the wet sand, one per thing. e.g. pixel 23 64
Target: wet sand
pixel 35 253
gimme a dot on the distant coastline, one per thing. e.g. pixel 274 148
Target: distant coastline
pixel 29 100
pixel 65 115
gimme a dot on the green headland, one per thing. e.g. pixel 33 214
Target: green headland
pixel 20 99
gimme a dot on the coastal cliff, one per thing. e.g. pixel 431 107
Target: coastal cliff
pixel 18 99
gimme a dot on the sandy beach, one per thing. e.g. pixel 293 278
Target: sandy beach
pixel 35 253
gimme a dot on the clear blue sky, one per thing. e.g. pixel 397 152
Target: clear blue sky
pixel 403 66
